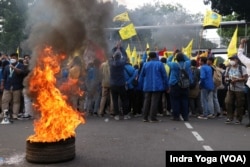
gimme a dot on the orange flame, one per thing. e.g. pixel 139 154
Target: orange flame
pixel 58 120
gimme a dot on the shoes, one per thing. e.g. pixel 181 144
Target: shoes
pixel 248 125
pixel 100 115
pixel 117 117
pixel 211 116
pixel 137 115
pixel 175 119
pixel 160 115
pixel 26 117
pixel 228 121
pixel 154 121
pixel 202 117
pixel 126 117
pixel 145 120
pixel 237 123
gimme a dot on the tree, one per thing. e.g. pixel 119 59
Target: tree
pixel 226 33
pixel 228 7
pixel 14 14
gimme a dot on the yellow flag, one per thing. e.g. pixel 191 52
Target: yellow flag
pixel 134 57
pixel 212 19
pixel 122 17
pixel 147 46
pixel 127 31
pixel 232 47
pixel 188 50
pixel 215 61
pixel 17 50
pixel 128 51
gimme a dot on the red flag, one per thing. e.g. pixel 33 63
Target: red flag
pixel 161 52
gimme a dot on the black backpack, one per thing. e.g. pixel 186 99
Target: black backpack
pixel 196 76
pixel 184 81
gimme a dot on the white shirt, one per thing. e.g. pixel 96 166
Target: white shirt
pixel 246 61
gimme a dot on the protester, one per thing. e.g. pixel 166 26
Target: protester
pixel 179 95
pixel 12 86
pixel 117 80
pixel 106 98
pixel 215 108
pixel 28 110
pixel 155 80
pixel 246 61
pixel 194 91
pixel 207 87
pixel 129 73
pixel 236 76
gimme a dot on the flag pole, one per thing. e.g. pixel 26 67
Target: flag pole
pixel 200 39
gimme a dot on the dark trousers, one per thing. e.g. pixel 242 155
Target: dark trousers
pixel 179 102
pixel 150 104
pixel 235 101
pixel 119 92
pixel 248 103
pixel 131 99
pixel 221 98
pixel 138 103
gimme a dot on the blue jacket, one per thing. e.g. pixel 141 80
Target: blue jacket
pixel 175 70
pixel 129 73
pixel 117 77
pixel 14 80
pixel 206 77
pixel 153 76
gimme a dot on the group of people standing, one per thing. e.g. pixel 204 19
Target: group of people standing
pixel 13 91
pixel 154 87
pixel 157 89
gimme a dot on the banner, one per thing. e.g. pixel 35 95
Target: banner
pixel 211 19
pixel 121 17
pixel 127 31
pixel 232 47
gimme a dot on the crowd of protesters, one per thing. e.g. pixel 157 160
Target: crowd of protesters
pixel 148 90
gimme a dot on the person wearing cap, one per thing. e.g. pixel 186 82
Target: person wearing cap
pixel 246 61
pixel 235 76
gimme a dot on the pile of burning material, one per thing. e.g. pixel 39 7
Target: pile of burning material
pixel 54 138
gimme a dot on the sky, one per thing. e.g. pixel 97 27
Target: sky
pixel 192 6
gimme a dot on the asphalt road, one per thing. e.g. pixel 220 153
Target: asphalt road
pixel 128 143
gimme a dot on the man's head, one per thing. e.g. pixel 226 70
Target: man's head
pixel 210 60
pixel 152 55
pixel 180 57
pixel 193 63
pixel 234 60
pixel 203 60
pixel 13 58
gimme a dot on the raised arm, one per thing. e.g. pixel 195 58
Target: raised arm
pixel 243 58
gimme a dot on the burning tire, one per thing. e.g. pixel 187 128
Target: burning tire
pixel 61 151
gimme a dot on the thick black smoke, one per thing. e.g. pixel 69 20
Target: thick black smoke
pixel 66 25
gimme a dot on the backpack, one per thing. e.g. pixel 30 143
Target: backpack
pixel 184 81
pixel 217 77
pixel 195 76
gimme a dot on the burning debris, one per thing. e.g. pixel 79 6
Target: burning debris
pixel 58 30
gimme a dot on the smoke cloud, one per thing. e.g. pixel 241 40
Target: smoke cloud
pixel 66 25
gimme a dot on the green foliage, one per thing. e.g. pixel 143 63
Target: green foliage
pixel 227 33
pixel 228 7
pixel 13 12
